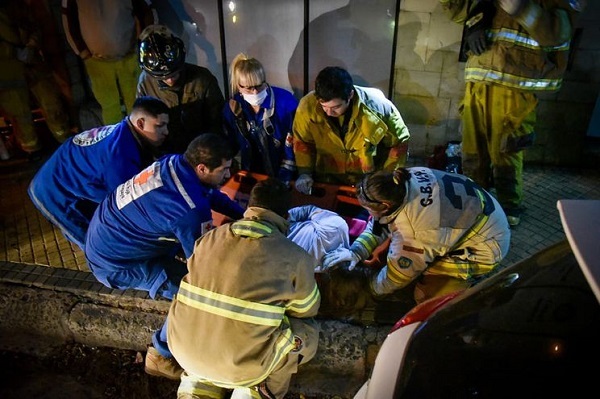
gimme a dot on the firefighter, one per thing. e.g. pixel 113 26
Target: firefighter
pixel 516 49
pixel 445 232
pixel 192 92
pixel 18 48
pixel 103 33
pixel 342 131
pixel 243 315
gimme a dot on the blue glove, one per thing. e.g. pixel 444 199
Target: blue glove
pixel 304 184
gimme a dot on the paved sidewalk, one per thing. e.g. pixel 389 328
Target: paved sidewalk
pixel 27 237
pixel 36 253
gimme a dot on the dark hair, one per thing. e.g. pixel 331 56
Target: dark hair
pixel 271 194
pixel 209 149
pixel 333 82
pixel 150 105
pixel 384 186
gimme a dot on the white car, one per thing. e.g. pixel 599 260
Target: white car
pixel 530 331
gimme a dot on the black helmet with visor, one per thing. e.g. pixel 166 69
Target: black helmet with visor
pixel 160 52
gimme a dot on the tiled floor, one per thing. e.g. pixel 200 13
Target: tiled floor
pixel 32 251
pixel 26 235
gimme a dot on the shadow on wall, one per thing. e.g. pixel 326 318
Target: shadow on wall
pixel 426 86
pixel 415 61
pixel 357 37
pixel 267 44
pixel 190 25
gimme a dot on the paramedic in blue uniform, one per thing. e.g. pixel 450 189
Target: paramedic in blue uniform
pixel 138 231
pixel 258 118
pixel 87 167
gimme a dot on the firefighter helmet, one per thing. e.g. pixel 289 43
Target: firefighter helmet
pixel 161 53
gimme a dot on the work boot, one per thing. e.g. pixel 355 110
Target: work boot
pixel 160 366
pixel 513 221
pixel 513 215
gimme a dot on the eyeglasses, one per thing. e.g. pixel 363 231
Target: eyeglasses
pixel 362 192
pixel 252 88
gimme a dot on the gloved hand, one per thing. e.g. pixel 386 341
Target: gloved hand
pixel 339 256
pixel 478 21
pixel 512 7
pixel 304 184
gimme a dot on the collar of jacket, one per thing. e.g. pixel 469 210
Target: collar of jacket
pixel 264 215
pixel 241 107
pixel 178 84
pixel 355 104
pixel 180 167
pixel 362 114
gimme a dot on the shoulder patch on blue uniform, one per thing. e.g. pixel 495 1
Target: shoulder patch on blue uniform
pixel 92 136
pixel 404 262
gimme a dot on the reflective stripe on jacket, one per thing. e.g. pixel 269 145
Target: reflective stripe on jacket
pixel 528 51
pixel 245 280
pixel 447 225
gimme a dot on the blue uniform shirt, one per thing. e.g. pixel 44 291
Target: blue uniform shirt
pixel 82 172
pixel 267 134
pixel 147 220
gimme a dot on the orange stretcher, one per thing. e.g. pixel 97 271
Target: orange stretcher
pixel 338 198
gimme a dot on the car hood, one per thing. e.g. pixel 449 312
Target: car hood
pixel 528 331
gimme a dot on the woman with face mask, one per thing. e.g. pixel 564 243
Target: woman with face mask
pixel 258 119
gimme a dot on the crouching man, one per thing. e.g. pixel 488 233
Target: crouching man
pixel 242 318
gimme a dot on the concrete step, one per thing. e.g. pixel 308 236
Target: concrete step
pixel 36 319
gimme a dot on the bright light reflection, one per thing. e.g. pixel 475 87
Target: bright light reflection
pixel 234 19
pixel 556 348
pixel 231 6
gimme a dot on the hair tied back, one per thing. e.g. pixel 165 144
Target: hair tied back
pixel 397 176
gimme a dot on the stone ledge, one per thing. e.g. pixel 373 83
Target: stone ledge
pixel 34 319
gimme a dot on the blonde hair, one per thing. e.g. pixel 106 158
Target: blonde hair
pixel 250 68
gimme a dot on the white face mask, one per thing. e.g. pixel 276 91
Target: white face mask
pixel 255 99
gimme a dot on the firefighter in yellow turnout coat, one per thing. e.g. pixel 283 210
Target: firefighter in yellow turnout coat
pixel 517 48
pixel 242 316
pixel 342 131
